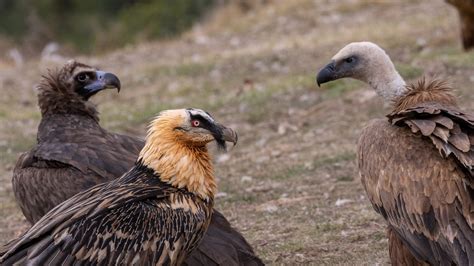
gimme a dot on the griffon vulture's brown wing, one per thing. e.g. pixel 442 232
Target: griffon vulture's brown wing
pixel 417 177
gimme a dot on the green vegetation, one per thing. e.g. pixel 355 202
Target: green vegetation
pixel 337 88
pixel 337 158
pixel 289 172
pixel 408 71
pixel 94 25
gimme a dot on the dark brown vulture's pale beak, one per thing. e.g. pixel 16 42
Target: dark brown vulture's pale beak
pixel 103 81
pixel 326 74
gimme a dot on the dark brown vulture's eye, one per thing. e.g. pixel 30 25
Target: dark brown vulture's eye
pixel 349 60
pixel 82 77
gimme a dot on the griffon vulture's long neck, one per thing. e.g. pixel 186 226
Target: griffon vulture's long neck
pixel 384 78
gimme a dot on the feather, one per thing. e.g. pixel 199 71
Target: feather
pixel 460 141
pixel 444 121
pixel 434 91
pixel 442 133
pixel 425 126
pixel 398 250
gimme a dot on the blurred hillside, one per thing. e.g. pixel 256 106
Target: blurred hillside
pixel 291 184
pixel 92 26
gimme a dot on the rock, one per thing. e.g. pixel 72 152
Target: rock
pixel 261 142
pixel 309 166
pixel 262 159
pixel 221 195
pixel 235 41
pixel 421 42
pixel 223 158
pixel 300 257
pixel 344 233
pixel 271 208
pixel 281 129
pixel 275 153
pixel 50 53
pixel 340 202
pixel 246 178
pixel 16 56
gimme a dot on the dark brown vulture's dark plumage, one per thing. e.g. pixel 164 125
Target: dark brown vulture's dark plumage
pixel 155 214
pixel 416 167
pixel 466 19
pixel 74 153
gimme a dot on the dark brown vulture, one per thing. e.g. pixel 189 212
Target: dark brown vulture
pixel 155 214
pixel 466 19
pixel 416 167
pixel 74 153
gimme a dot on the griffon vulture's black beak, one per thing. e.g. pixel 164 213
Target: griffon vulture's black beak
pixel 326 74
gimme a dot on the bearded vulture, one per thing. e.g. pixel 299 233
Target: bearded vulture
pixel 154 214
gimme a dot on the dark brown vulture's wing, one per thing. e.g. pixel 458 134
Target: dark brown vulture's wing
pixel 131 222
pixel 72 156
pixel 418 176
pixel 223 245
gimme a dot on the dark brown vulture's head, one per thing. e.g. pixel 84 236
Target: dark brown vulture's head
pixel 68 89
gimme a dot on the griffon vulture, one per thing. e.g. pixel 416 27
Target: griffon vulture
pixel 156 213
pixel 416 166
pixel 74 153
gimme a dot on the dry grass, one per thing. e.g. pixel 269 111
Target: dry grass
pixel 255 71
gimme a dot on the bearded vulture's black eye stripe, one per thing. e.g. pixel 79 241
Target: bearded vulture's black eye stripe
pixel 204 123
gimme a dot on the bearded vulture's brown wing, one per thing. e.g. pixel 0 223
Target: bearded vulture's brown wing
pixel 418 176
pixel 134 219
pixel 73 154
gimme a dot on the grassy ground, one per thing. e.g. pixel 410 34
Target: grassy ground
pixel 291 184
